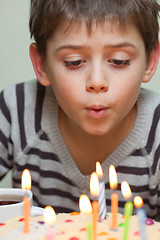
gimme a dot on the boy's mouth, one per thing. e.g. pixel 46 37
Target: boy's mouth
pixel 97 111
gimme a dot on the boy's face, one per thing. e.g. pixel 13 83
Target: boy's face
pixel 96 77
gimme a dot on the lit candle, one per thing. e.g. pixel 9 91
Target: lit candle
pixel 50 218
pixel 85 204
pixel 26 185
pixel 101 196
pixel 128 208
pixel 94 188
pixel 138 202
pixel 89 231
pixel 86 208
pixel 114 197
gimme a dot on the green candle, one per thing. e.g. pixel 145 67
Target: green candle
pixel 89 231
pixel 128 208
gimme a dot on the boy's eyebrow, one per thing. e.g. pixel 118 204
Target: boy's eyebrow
pixel 70 47
pixel 121 45
pixel 78 47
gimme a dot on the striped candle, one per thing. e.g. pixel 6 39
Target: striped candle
pixel 101 196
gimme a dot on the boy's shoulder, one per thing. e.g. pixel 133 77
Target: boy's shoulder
pixel 27 94
pixel 148 98
pixel 30 85
pixel 148 109
pixel 24 88
pixel 22 92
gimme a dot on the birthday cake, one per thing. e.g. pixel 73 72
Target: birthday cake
pixel 74 226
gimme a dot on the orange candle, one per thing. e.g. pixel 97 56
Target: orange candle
pixel 26 185
pixel 114 209
pixel 114 197
pixel 26 214
pixel 95 209
pixel 94 188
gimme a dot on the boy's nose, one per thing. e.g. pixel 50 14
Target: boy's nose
pixel 97 88
pixel 97 82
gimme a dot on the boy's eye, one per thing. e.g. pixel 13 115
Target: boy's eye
pixel 118 62
pixel 74 64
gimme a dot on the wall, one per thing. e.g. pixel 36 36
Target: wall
pixel 15 64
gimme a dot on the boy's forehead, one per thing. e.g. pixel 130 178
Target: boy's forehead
pixel 102 36
pixel 76 27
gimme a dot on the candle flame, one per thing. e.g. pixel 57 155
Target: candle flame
pixel 94 185
pixel 85 204
pixel 138 202
pixel 99 170
pixel 49 215
pixel 112 177
pixel 126 191
pixel 26 180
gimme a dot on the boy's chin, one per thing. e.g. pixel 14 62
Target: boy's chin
pixel 96 131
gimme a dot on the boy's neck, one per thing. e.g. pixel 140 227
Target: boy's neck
pixel 87 149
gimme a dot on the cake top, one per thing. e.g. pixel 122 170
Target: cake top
pixel 74 227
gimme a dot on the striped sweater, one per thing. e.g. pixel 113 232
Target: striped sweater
pixel 30 138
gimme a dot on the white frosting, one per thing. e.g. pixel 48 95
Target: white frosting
pixel 69 227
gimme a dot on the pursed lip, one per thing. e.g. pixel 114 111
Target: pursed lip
pixel 97 111
pixel 97 107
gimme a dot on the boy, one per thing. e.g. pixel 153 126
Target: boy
pixel 90 58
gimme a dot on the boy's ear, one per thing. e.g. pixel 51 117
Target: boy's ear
pixel 152 64
pixel 39 65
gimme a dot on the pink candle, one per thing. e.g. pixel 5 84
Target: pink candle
pixel 51 234
pixel 49 218
pixel 114 197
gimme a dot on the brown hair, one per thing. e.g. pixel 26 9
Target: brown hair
pixel 46 16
